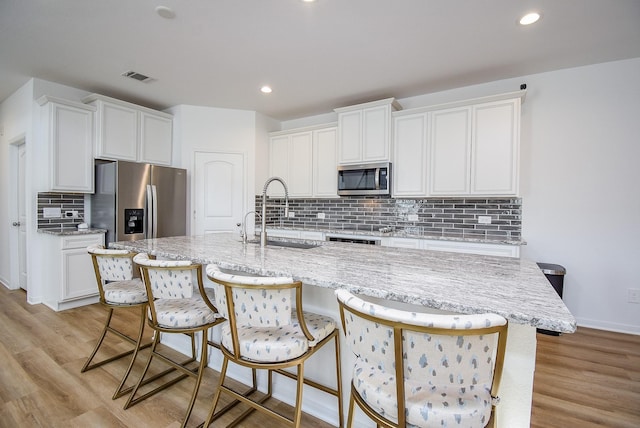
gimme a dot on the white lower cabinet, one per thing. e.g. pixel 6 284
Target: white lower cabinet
pixel 402 243
pixel 486 249
pixel 501 250
pixel 72 280
pixel 482 248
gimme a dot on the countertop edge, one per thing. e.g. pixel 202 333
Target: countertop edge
pixel 67 232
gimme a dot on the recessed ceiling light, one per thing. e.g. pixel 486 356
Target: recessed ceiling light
pixel 529 18
pixel 165 12
pixel 308 1
pixel 266 89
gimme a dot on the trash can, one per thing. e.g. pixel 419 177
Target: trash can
pixel 555 275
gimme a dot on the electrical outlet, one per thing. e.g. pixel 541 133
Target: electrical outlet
pixel 292 214
pixel 71 214
pixel 321 216
pixel 633 295
pixel 484 219
pixel 412 217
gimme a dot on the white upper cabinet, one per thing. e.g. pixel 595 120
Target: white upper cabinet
pixel 155 138
pixel 325 163
pixel 68 127
pixel 475 150
pixel 467 148
pixel 364 132
pixel 125 131
pixel 290 158
pixel 306 160
pixel 450 154
pixel 410 155
pixel 496 148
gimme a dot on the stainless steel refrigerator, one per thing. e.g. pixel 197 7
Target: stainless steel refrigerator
pixel 137 201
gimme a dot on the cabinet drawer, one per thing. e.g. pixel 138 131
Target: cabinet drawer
pixel 81 241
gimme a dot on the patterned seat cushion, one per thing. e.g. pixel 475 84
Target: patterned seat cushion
pixel 426 405
pixel 185 313
pixel 129 292
pixel 319 326
pixel 282 343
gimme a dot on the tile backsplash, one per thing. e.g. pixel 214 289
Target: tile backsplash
pixel 64 201
pixel 456 218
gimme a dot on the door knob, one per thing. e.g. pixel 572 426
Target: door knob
pixel 16 223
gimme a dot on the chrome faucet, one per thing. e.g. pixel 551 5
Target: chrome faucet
pixel 243 230
pixel 263 231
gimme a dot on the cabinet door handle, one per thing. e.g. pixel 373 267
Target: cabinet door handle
pixel 16 223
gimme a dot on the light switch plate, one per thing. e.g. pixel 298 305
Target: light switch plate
pixel 51 212
pixel 321 216
pixel 412 217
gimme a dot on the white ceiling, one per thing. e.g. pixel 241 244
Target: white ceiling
pixel 316 56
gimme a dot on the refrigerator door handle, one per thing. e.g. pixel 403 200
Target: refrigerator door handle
pixel 154 212
pixel 148 213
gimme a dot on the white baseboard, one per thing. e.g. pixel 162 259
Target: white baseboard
pixel 608 326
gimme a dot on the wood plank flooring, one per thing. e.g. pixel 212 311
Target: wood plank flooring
pixel 587 379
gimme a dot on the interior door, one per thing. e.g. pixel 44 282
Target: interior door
pixel 22 217
pixel 220 191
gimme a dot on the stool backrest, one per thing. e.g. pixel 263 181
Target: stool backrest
pixel 168 279
pixel 257 300
pixel 111 265
pixel 456 350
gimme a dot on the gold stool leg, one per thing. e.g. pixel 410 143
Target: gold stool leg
pixel 223 373
pixel 298 412
pixel 120 391
pixel 201 368
pixel 87 365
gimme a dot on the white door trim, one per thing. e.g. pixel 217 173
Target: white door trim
pixel 15 146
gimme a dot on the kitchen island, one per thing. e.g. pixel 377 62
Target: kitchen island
pixel 420 280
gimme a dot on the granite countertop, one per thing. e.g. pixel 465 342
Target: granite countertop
pixel 69 231
pixel 463 283
pixel 401 234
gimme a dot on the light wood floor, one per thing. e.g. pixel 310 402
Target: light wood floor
pixel 587 379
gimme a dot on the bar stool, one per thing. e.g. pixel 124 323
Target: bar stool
pixel 264 331
pixel 176 306
pixel 118 289
pixel 423 370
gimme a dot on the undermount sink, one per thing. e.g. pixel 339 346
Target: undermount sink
pixel 287 244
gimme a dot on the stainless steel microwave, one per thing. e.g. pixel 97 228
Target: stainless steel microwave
pixel 367 179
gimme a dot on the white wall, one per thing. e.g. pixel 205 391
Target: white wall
pixel 20 114
pixel 209 129
pixel 581 202
pixel 15 121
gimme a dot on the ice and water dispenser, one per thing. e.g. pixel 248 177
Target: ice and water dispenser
pixel 133 221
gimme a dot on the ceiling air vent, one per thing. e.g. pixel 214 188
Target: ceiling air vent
pixel 137 76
